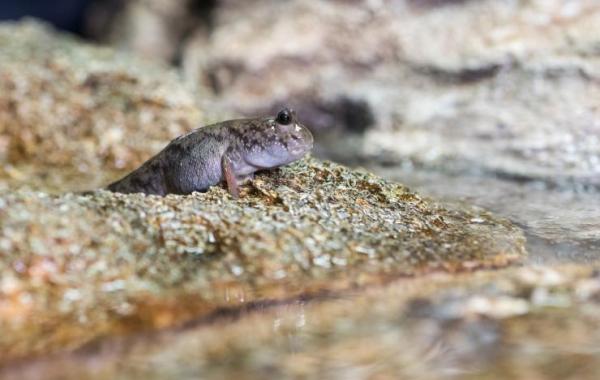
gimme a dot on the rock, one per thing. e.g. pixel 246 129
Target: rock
pixel 506 88
pixel 133 262
pixel 71 111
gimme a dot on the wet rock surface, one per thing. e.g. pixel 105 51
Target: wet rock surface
pixel 535 322
pixel 561 225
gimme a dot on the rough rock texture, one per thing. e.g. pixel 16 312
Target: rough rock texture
pixel 83 109
pixel 527 323
pixel 134 261
pixel 506 87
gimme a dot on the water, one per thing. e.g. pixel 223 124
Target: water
pixel 561 223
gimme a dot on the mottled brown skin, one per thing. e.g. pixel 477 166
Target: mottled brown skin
pixel 229 151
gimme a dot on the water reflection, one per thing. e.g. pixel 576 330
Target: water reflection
pixel 562 224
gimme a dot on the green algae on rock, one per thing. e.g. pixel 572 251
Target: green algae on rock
pixel 78 267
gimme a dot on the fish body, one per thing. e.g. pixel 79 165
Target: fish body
pixel 229 151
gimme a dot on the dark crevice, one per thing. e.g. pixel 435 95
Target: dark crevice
pixel 429 4
pixel 201 17
pixel 99 18
pixel 344 113
pixel 460 76
pixel 204 11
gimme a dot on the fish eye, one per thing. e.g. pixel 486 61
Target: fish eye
pixel 284 117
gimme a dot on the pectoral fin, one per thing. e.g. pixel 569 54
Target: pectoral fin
pixel 229 175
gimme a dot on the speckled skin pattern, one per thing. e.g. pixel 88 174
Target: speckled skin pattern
pixel 229 151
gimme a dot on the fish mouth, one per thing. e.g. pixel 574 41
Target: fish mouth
pixel 304 141
pixel 300 151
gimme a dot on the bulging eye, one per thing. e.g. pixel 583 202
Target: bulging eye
pixel 284 117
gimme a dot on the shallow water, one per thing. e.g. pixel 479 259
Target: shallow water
pixel 561 224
